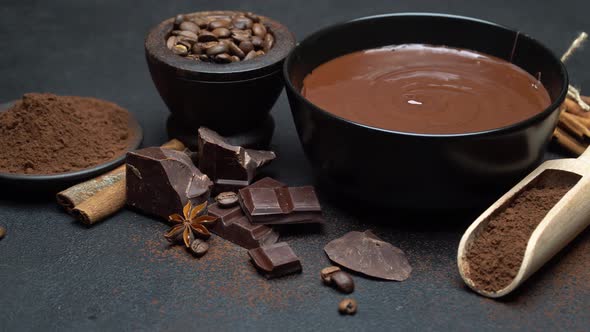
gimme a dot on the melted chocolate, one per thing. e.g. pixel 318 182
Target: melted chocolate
pixel 426 89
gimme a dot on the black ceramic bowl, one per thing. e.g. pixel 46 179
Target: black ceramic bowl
pixel 229 98
pixel 420 171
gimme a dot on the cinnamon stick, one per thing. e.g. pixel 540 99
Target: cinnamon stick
pixel 99 198
pixel 573 107
pixel 573 124
pixel 568 142
pixel 81 192
pixel 103 203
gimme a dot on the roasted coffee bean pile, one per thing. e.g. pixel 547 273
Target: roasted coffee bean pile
pixel 220 38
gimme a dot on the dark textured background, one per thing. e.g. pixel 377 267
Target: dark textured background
pixel 58 275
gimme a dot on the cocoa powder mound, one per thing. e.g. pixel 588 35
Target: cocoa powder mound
pixel 47 134
pixel 496 252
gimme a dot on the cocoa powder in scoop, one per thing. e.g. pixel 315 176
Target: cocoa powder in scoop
pixel 47 134
pixel 497 251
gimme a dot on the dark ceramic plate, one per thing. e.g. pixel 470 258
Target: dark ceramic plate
pixel 54 182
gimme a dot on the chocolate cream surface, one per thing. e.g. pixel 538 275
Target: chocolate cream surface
pixel 426 89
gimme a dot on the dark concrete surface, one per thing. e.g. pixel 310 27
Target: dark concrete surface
pixel 121 274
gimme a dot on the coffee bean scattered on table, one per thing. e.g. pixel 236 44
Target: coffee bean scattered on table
pixel 227 199
pixel 340 280
pixel 199 247
pixel 2 232
pixel 347 307
pixel 327 272
pixel 220 38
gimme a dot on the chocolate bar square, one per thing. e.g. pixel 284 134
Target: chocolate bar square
pixel 271 202
pixel 233 226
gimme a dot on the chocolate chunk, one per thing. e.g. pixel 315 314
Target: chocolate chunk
pixel 229 166
pixel 161 181
pixel 271 202
pixel 276 260
pixel 233 226
pixel 364 252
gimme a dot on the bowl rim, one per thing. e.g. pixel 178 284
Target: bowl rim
pixel 505 129
pixel 156 50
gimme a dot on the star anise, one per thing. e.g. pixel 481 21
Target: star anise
pixel 192 221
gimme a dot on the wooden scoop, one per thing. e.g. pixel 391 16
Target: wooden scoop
pixel 561 225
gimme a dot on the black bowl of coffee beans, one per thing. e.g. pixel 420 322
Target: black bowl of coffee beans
pixel 220 69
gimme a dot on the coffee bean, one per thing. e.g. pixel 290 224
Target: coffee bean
pixel 225 18
pixel 206 36
pixel 190 26
pixel 201 22
pixel 335 277
pixel 178 20
pixel 255 18
pixel 326 273
pixel 188 39
pixel 226 41
pixel 235 50
pixel 2 232
pixel 240 37
pixel 269 41
pixel 221 32
pixel 348 307
pixel 189 34
pixel 246 32
pixel 170 42
pixel 196 49
pixel 208 45
pixel 342 281
pixel 199 247
pixel 242 22
pixel 219 24
pixel 257 42
pixel 227 199
pixel 220 38
pixel 186 43
pixel 259 30
pixel 250 55
pixel 223 58
pixel 246 46
pixel 217 49
pixel 180 49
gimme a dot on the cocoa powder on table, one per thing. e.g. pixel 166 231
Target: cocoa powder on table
pixel 48 134
pixel 496 253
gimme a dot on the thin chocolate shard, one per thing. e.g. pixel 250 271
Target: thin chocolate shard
pixel 233 226
pixel 161 181
pixel 230 167
pixel 365 253
pixel 271 202
pixel 276 260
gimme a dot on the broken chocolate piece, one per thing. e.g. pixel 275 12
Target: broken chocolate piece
pixel 230 167
pixel 276 260
pixel 162 181
pixel 364 252
pixel 271 202
pixel 233 226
